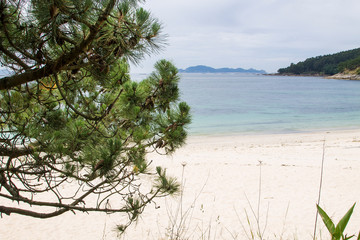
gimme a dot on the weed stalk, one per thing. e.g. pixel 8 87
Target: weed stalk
pixel 320 188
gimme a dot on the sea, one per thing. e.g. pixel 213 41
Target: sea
pixel 238 103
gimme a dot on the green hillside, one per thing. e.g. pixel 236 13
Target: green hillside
pixel 325 65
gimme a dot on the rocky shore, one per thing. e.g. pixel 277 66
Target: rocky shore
pixel 345 76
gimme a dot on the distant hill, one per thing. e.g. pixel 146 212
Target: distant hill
pixel 325 65
pixel 206 69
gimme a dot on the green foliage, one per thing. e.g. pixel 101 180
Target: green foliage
pixel 165 184
pixel 337 232
pixel 70 115
pixel 351 64
pixel 325 65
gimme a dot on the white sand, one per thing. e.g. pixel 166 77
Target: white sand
pixel 220 174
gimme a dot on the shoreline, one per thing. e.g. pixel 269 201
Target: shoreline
pixel 345 76
pixel 338 76
pixel 262 133
pixel 296 75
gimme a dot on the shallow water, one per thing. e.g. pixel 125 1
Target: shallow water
pixel 257 104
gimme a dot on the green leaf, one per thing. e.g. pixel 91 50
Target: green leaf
pixel 340 227
pixel 327 221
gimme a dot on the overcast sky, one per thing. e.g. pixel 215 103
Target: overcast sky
pixel 260 34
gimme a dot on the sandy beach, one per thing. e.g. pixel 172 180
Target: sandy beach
pixel 224 177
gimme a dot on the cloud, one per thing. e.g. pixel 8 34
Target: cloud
pixel 263 34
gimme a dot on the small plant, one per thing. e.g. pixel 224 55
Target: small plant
pixel 254 231
pixel 337 232
pixel 181 221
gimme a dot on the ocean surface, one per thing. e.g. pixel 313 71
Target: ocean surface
pixel 235 103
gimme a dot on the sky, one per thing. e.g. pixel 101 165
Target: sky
pixel 261 34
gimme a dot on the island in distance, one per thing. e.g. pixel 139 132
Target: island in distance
pixel 206 69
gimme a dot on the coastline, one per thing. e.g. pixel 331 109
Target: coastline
pixel 338 76
pixel 345 76
pixel 270 137
pixel 296 75
pixel 221 176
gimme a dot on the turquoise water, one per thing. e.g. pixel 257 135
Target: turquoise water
pixel 257 104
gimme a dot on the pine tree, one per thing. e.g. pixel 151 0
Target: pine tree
pixel 74 128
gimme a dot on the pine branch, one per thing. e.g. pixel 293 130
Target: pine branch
pixel 14 57
pixel 70 207
pixel 62 61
